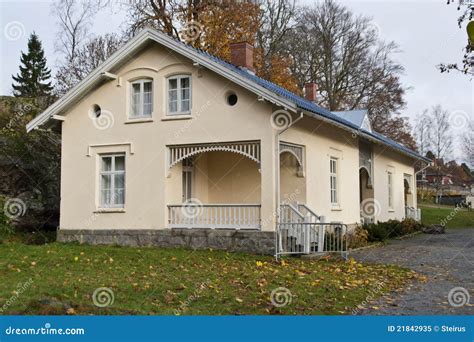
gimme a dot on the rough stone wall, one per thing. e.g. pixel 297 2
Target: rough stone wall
pixel 257 242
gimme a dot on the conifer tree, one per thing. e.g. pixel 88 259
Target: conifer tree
pixel 34 77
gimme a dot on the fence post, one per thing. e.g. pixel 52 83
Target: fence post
pixel 322 219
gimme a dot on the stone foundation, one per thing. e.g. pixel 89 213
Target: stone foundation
pixel 250 241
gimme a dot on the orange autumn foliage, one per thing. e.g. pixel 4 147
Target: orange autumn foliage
pixel 227 22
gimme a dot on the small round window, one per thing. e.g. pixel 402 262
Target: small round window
pixel 232 99
pixel 96 110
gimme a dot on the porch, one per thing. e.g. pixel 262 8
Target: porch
pixel 219 185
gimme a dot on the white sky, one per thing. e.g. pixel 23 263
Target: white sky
pixel 425 30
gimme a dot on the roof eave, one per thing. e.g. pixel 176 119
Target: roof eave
pixel 368 136
pixel 89 82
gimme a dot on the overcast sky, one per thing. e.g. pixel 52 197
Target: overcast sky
pixel 425 30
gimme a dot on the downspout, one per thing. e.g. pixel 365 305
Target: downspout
pixel 277 175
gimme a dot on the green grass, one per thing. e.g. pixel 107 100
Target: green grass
pixel 170 281
pixel 460 218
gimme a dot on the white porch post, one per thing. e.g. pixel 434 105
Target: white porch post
pixel 268 184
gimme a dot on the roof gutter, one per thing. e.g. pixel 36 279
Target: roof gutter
pixel 367 136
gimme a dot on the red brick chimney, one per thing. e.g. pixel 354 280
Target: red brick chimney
pixel 241 54
pixel 310 90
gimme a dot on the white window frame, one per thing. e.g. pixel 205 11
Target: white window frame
pixel 141 104
pixel 179 110
pixel 390 189
pixel 334 181
pixel 112 174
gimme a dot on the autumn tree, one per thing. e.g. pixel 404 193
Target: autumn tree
pixel 212 25
pixel 353 68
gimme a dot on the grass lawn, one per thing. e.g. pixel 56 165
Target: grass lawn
pixel 178 281
pixel 436 215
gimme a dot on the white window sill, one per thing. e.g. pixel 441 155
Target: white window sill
pixel 109 210
pixel 391 210
pixel 336 208
pixel 177 117
pixel 138 120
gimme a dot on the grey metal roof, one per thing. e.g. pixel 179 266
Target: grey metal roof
pixel 311 107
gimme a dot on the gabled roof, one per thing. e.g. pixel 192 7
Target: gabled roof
pixel 266 89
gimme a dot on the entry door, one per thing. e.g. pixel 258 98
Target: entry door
pixel 188 175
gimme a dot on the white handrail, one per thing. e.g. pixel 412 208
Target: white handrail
pixel 214 216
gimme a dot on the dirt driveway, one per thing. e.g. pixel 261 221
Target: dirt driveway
pixel 448 262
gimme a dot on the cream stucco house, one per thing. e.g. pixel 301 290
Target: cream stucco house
pixel 163 141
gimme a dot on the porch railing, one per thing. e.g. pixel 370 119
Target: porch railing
pixel 307 238
pixel 413 213
pixel 214 216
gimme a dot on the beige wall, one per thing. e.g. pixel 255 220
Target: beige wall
pixel 386 160
pixel 322 142
pixel 150 186
pixel 292 185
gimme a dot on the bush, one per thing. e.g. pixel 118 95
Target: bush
pixel 358 238
pixel 382 231
pixel 6 227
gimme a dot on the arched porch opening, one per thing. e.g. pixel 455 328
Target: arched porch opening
pixel 214 186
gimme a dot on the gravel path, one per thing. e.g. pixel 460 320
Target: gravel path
pixel 448 262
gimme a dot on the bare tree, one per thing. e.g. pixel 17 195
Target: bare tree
pixel 467 143
pixel 74 20
pixel 441 142
pixel 353 68
pixel 422 133
pixel 276 22
pixel 87 57
pixel 167 16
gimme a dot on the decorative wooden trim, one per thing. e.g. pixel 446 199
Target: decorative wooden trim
pixel 297 151
pixel 249 149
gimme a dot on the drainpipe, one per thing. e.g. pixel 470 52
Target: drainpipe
pixel 277 150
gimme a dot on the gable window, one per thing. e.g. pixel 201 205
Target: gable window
pixel 390 189
pixel 112 181
pixel 333 171
pixel 179 95
pixel 141 98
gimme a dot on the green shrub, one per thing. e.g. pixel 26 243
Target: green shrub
pixel 382 231
pixel 6 227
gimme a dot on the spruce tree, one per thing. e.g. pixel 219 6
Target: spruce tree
pixel 34 76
